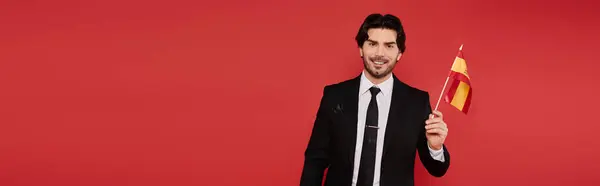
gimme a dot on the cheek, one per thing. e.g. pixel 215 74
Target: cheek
pixel 393 56
pixel 367 52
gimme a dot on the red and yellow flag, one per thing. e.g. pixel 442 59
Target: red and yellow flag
pixel 459 93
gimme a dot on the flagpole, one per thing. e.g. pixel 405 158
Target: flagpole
pixel 441 94
pixel 446 83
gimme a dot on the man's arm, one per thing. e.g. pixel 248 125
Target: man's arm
pixel 316 157
pixel 436 167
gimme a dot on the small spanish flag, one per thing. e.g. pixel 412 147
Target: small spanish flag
pixel 459 93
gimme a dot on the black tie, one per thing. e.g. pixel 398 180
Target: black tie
pixel 366 172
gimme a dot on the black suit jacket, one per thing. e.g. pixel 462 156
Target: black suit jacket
pixel 333 139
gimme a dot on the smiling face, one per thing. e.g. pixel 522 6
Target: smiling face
pixel 380 53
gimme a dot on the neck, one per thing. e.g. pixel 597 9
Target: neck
pixel 376 80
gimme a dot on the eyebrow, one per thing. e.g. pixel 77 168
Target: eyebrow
pixel 387 43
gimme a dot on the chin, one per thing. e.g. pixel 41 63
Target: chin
pixel 378 73
pixel 381 75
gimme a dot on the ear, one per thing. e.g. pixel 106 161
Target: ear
pixel 399 56
pixel 361 52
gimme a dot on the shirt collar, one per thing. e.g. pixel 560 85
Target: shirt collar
pixel 385 86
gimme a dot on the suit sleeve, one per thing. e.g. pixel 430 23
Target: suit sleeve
pixel 316 156
pixel 434 167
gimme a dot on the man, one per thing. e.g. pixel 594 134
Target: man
pixel 368 128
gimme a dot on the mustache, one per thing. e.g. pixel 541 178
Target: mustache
pixel 379 58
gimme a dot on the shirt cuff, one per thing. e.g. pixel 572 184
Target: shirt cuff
pixel 437 154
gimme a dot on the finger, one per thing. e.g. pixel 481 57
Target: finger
pixel 437 113
pixel 437 125
pixel 430 126
pixel 437 131
pixel 433 120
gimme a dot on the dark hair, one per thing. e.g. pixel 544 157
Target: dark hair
pixel 387 21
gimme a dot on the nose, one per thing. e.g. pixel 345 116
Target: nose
pixel 380 51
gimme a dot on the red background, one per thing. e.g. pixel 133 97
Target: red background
pixel 225 92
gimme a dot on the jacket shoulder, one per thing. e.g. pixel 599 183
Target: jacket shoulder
pixel 341 87
pixel 414 91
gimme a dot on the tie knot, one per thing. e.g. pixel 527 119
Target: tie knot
pixel 374 91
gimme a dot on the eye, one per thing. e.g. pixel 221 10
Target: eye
pixel 390 46
pixel 371 44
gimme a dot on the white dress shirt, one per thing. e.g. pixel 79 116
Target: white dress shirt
pixel 383 104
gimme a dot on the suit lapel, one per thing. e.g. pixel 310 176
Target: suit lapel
pixel 351 103
pixel 395 115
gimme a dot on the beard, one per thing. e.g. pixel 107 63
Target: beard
pixel 377 73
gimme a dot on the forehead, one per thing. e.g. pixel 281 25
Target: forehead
pixel 382 34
